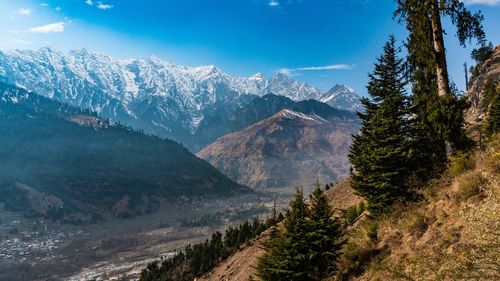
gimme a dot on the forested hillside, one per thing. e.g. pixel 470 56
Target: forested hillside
pixel 64 163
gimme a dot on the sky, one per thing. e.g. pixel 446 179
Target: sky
pixel 321 42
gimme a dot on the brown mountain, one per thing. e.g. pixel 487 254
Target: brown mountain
pixel 294 147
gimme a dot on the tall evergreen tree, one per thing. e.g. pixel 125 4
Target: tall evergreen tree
pixel 379 155
pixel 468 26
pixel 288 253
pixel 309 245
pixel 325 238
pixel 440 112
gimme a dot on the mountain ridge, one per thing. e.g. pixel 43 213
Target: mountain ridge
pixel 159 97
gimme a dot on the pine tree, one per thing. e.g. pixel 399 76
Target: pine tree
pixel 325 238
pixel 309 245
pixel 288 252
pixel 489 92
pixel 468 27
pixel 493 118
pixel 440 111
pixel 380 154
pixel 482 53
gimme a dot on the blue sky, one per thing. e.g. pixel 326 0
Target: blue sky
pixel 322 42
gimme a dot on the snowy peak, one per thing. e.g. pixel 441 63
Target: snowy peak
pixel 157 96
pixel 342 97
pixel 282 78
pixel 283 85
pixel 257 77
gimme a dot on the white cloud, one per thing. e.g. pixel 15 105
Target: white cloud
pixel 44 4
pixel 23 12
pixel 327 67
pixel 58 9
pixel 482 2
pixel 273 3
pixel 104 6
pixel 293 71
pixel 89 2
pixel 48 28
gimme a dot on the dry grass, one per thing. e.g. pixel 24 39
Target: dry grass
pixel 461 163
pixel 470 185
pixel 452 234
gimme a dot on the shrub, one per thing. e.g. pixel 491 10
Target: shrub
pixel 492 160
pixel 354 212
pixel 459 163
pixel 356 259
pixel 470 185
pixel 372 231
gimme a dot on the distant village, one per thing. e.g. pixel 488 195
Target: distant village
pixel 37 244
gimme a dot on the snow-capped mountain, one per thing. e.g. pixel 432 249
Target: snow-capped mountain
pixel 342 97
pixel 156 96
pixel 283 85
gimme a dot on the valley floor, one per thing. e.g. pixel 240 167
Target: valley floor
pixel 36 249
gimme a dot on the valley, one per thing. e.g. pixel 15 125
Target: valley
pixel 36 249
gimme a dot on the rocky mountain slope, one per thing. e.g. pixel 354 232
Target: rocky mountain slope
pixel 156 96
pixel 486 72
pixel 67 164
pixel 215 124
pixel 303 142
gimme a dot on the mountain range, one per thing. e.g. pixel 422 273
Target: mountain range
pixel 155 96
pixel 68 164
pixel 299 143
pixel 261 133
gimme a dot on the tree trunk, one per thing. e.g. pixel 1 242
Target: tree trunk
pixel 439 50
pixel 441 66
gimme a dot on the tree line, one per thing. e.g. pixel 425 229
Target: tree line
pixel 197 259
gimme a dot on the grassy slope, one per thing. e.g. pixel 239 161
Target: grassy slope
pixel 452 234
